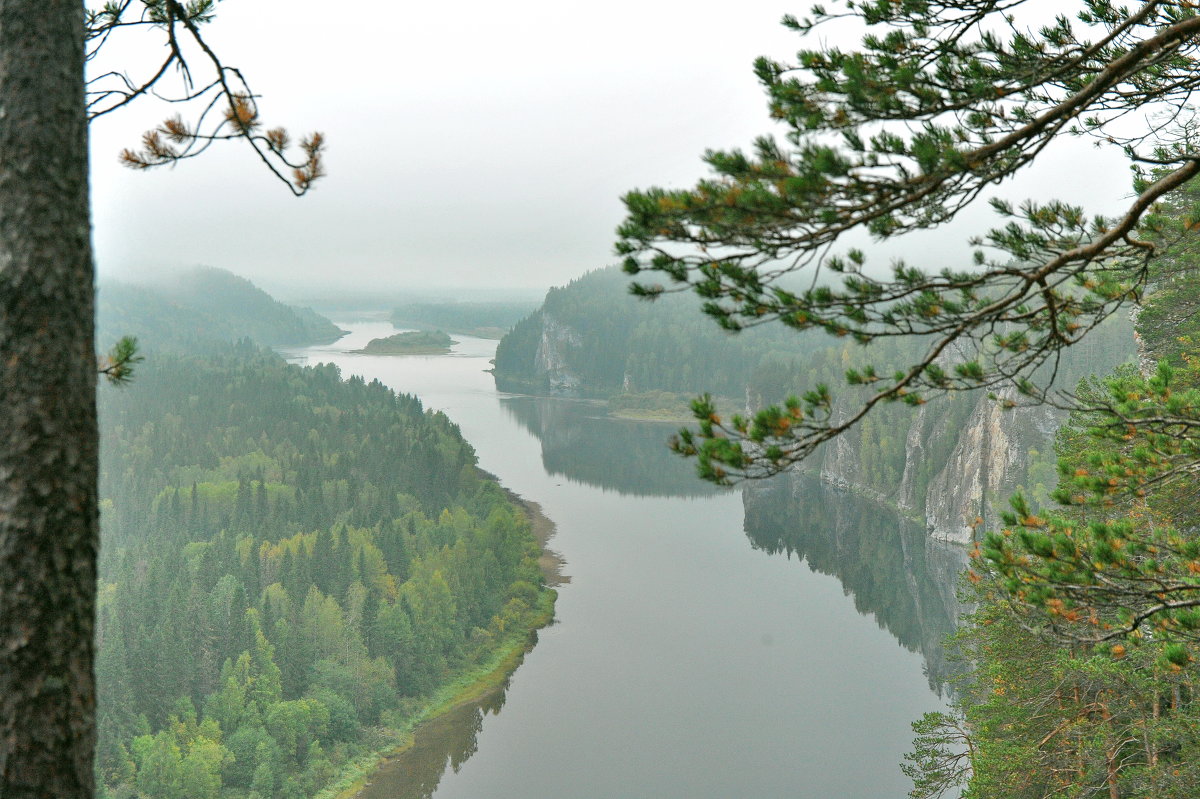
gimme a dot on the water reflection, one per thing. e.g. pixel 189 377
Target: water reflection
pixel 440 746
pixel 581 443
pixel 891 566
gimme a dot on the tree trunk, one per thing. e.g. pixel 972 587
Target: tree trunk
pixel 48 438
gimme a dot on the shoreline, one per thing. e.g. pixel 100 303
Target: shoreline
pixel 403 352
pixel 471 686
pixel 476 683
pixel 543 528
pixel 658 417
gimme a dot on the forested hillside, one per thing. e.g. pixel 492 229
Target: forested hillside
pixel 202 305
pixel 292 563
pixel 592 338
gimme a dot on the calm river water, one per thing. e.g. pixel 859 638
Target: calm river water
pixel 775 643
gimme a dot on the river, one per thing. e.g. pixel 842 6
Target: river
pixel 769 643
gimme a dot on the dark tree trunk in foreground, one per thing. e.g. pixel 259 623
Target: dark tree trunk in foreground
pixel 48 439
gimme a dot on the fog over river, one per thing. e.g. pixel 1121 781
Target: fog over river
pixel 710 644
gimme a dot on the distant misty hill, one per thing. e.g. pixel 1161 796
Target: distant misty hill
pixel 592 338
pixel 480 319
pixel 204 304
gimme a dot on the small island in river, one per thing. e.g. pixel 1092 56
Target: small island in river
pixel 417 342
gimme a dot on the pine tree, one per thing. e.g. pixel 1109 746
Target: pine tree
pixel 48 454
pixel 942 101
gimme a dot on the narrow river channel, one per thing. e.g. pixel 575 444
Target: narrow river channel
pixel 709 644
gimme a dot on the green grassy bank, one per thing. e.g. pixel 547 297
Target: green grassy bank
pixel 466 686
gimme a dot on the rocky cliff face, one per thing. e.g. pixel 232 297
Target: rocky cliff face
pixel 841 467
pixel 963 457
pixel 953 461
pixel 988 462
pixel 552 356
pixel 954 471
pixel 911 495
pixel 966 455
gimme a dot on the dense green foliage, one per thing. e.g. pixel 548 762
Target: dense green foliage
pixel 483 319
pixel 290 562
pixel 1038 719
pixel 1122 558
pixel 1085 675
pixel 419 342
pixel 517 350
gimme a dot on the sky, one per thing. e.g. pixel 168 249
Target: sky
pixel 470 145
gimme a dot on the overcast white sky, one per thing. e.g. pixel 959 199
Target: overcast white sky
pixel 470 143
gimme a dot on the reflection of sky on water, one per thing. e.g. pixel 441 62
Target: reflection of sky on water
pixel 582 444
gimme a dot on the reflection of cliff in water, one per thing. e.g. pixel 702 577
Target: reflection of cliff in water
pixel 580 442
pixel 891 567
pixel 445 742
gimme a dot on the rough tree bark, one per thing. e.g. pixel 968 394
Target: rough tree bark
pixel 48 438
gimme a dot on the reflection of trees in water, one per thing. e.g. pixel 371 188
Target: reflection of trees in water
pixel 449 740
pixel 890 565
pixel 582 444
pixel 894 571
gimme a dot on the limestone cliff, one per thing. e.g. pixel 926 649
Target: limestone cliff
pixel 963 458
pixel 965 455
pixel 841 466
pixel 988 463
pixel 552 358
